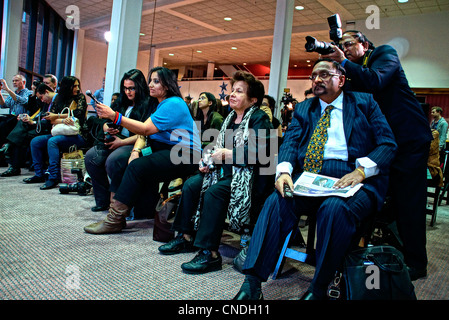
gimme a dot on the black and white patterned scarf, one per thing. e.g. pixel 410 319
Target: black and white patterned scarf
pixel 242 177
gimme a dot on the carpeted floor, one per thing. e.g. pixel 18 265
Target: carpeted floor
pixel 45 255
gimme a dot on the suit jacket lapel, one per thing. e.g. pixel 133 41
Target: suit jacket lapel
pixel 315 114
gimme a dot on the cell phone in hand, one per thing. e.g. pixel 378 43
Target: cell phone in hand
pixel 287 191
pixel 112 125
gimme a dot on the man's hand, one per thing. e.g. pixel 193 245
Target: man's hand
pixel 284 178
pixel 337 55
pixel 350 179
pixel 4 85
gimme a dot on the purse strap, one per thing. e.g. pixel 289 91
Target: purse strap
pixel 171 198
pixel 70 112
pixel 372 257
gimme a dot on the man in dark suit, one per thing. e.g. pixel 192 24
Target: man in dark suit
pixel 377 70
pixel 360 147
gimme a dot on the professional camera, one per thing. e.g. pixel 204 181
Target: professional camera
pixel 287 98
pixel 81 187
pixel 286 112
pixel 335 34
pixel 208 161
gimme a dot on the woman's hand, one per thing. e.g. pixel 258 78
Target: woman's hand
pixel 51 116
pixel 111 131
pixel 134 155
pixel 105 112
pixel 220 155
pixel 68 121
pixel 114 144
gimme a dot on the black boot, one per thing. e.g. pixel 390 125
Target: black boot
pixel 11 172
pixel 251 289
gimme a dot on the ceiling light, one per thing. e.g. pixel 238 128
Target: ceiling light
pixel 199 51
pixel 299 8
pixel 234 48
pixel 107 36
pixel 402 1
pixel 227 19
pixel 171 54
pixel 141 34
pixel 307 61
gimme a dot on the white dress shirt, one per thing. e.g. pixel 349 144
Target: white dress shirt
pixel 335 147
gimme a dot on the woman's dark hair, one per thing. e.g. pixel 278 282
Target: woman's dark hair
pixel 360 38
pixel 140 84
pixel 168 80
pixel 255 87
pixel 65 92
pixel 141 100
pixel 271 102
pixel 212 108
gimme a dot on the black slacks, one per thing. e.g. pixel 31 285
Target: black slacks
pixel 408 192
pixel 337 222
pixel 213 214
pixel 103 164
pixel 143 175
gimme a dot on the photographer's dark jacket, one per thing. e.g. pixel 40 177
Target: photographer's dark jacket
pixel 384 77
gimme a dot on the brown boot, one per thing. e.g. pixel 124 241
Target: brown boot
pixel 114 222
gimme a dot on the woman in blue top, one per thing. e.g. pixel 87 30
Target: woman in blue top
pixel 175 149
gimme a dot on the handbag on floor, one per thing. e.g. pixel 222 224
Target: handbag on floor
pixel 74 159
pixel 377 273
pixel 165 210
pixel 62 129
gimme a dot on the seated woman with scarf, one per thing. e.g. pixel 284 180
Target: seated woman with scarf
pixel 233 189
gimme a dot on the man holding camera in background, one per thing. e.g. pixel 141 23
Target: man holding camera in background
pixel 379 71
pixel 15 102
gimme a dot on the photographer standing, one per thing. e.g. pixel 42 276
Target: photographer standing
pixel 379 71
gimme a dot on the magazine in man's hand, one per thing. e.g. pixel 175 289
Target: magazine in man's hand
pixel 316 185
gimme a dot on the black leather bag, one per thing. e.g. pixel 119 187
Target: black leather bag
pixel 377 273
pixel 165 210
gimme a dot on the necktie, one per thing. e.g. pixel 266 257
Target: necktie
pixel 315 150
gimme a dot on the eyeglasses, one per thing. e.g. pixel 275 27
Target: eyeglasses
pixel 348 44
pixel 130 89
pixel 324 75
